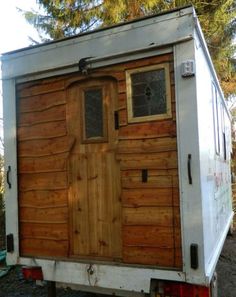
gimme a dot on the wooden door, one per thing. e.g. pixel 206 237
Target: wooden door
pixel 94 182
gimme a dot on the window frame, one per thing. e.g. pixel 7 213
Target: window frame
pixel 216 118
pixel 223 128
pixel 97 139
pixel 168 114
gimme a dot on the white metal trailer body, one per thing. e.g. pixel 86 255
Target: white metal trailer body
pixel 203 133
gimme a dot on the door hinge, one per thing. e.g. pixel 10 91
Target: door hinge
pixel 116 119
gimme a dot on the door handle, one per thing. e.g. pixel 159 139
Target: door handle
pixel 8 177
pixel 190 180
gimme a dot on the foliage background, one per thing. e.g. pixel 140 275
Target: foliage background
pixel 62 18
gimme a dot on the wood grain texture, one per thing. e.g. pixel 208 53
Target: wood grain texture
pixel 42 131
pixel 159 216
pixel 44 248
pixel 161 257
pixel 159 181
pixel 150 197
pixel 43 181
pixel 94 181
pixel 122 114
pixel 150 236
pixel 45 147
pixel 48 215
pixel 55 113
pixel 155 129
pixel 43 198
pixel 152 173
pixel 56 163
pixel 43 86
pixel 149 61
pixel 155 145
pixel 44 231
pixel 165 160
pixel 41 102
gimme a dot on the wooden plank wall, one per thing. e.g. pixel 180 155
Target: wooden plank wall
pixel 151 215
pixel 43 148
pixel 150 211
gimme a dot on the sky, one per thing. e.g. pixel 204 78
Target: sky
pixel 14 31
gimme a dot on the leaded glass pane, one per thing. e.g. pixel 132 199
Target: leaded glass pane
pixel 93 109
pixel 149 93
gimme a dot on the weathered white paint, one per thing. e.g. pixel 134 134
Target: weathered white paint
pixel 215 174
pixel 10 159
pixel 105 276
pixel 187 131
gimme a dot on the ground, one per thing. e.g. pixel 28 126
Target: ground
pixel 226 269
pixel 13 285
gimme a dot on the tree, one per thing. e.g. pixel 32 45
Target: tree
pixel 217 17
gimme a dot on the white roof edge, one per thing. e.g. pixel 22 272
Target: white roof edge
pixel 154 31
pixel 189 9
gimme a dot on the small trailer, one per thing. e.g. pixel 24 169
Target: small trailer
pixel 117 159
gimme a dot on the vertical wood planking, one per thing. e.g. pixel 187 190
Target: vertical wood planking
pixel 79 204
pixel 99 238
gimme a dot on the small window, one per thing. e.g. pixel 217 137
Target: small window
pixel 224 146
pixel 223 125
pixel 93 115
pixel 215 101
pixel 148 93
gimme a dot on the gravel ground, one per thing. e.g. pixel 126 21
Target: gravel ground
pixel 13 285
pixel 226 269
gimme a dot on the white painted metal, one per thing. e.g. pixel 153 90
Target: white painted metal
pixel 214 170
pixel 105 276
pixel 205 212
pixel 101 62
pixel 187 131
pixel 10 159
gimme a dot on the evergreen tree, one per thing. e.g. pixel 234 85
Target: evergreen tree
pixel 217 17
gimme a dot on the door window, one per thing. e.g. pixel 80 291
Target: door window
pixel 93 109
